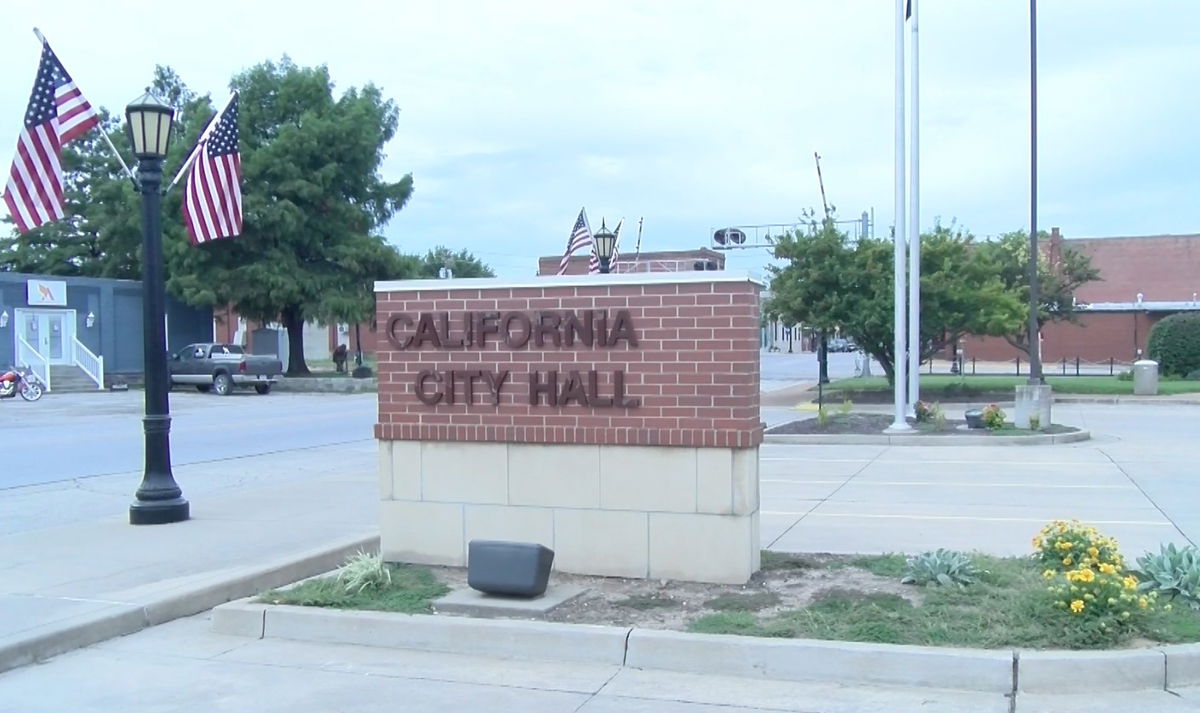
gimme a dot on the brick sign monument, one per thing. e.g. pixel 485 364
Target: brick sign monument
pixel 611 418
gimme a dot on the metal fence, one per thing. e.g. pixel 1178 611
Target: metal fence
pixel 1076 366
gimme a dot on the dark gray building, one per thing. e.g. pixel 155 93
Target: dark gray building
pixel 84 329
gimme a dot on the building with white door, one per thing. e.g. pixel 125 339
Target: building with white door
pixel 84 332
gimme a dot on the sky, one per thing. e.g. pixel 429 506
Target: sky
pixel 695 115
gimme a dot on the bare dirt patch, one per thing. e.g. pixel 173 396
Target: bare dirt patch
pixel 786 582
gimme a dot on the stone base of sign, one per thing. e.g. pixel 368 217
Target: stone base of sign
pixel 473 603
pixel 614 510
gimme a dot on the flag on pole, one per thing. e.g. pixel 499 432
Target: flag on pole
pixel 57 114
pixel 212 202
pixel 580 237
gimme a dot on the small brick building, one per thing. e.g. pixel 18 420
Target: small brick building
pixel 1142 280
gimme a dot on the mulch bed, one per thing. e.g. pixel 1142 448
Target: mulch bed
pixel 874 424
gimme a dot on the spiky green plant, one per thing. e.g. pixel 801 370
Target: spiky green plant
pixel 365 571
pixel 1174 572
pixel 944 567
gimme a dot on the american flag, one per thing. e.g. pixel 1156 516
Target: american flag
pixel 57 114
pixel 580 237
pixel 212 203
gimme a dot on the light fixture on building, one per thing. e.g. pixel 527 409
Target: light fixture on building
pixel 1139 299
pixel 606 242
pixel 4 319
pixel 90 320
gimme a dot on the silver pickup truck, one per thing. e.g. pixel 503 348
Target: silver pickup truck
pixel 221 367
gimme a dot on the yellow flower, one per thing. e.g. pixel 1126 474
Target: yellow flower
pixel 1093 552
pixel 1112 601
pixel 1077 606
pixel 1048 574
pixel 1037 543
pixel 1086 575
pixel 1143 603
pixel 1068 560
pixel 1065 545
pixel 1107 568
pixel 1124 615
pixel 1130 582
pixel 1167 607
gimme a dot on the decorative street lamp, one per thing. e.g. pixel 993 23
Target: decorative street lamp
pixel 159 498
pixel 606 242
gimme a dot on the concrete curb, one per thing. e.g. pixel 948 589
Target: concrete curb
pixel 338 385
pixel 830 439
pixel 508 638
pixel 1004 671
pixel 138 609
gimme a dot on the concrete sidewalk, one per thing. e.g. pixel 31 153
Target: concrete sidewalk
pixel 74 572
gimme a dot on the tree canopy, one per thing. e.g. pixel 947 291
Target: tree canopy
pixel 1060 274
pixel 461 264
pixel 831 282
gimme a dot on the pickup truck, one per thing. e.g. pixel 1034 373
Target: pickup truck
pixel 221 367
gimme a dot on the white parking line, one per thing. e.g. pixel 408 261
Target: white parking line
pixel 967 518
pixel 971 484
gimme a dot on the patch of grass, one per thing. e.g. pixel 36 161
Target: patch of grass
pixel 410 591
pixel 1009 606
pixel 643 602
pixel 889 565
pixel 750 601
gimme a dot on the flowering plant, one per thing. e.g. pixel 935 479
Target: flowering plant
pixel 993 417
pixel 1088 581
pixel 923 411
pixel 1064 545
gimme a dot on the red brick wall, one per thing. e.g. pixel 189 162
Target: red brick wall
pixel 1097 337
pixel 695 368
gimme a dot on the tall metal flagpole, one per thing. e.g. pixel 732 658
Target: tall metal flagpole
pixel 103 133
pixel 914 227
pixel 1035 346
pixel 899 425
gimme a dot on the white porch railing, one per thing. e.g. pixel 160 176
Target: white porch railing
pixel 28 356
pixel 91 364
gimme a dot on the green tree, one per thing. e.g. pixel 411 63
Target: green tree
pixel 832 282
pixel 461 264
pixel 313 201
pixel 1059 276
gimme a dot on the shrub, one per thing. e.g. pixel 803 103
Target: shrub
pixel 846 408
pixel 923 412
pixel 1175 343
pixel 939 418
pixel 1193 375
pixel 993 417
pixel 1125 376
pixel 1035 421
pixel 1063 546
pixel 944 567
pixel 1172 571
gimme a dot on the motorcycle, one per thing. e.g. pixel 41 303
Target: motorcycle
pixel 21 381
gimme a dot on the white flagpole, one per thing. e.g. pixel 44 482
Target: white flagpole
pixel 199 142
pixel 899 424
pixel 103 133
pixel 914 227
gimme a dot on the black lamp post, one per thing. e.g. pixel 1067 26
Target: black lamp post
pixel 159 499
pixel 606 242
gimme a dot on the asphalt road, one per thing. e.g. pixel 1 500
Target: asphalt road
pixel 69 436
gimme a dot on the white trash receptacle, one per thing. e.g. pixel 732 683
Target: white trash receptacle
pixel 1145 377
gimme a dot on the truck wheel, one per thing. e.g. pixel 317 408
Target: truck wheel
pixel 263 389
pixel 204 388
pixel 223 384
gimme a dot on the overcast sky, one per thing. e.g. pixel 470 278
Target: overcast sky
pixel 695 115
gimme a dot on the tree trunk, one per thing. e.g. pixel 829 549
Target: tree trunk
pixel 294 325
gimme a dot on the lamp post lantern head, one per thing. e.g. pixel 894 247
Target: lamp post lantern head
pixel 148 123
pixel 606 242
